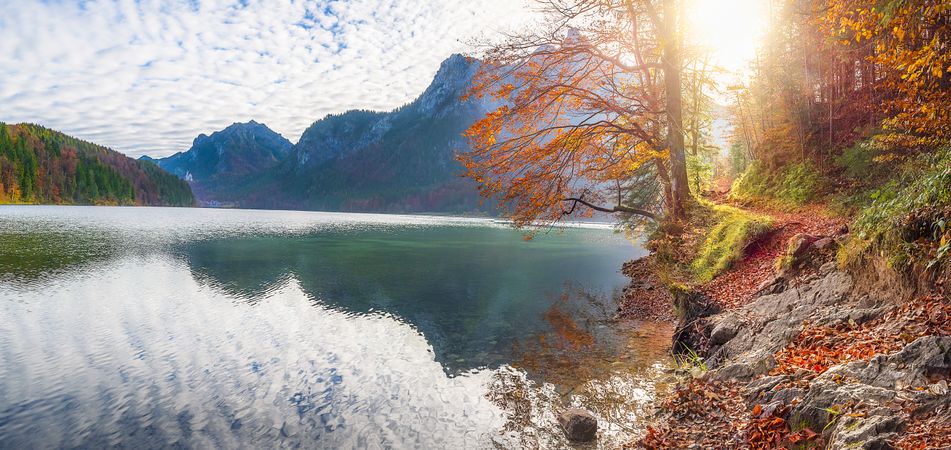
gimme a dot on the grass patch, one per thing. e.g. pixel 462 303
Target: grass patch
pixel 792 185
pixel 725 241
pixel 907 213
pixel 705 244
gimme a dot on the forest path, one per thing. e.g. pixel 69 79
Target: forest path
pixel 737 286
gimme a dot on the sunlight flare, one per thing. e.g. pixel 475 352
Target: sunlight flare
pixel 731 30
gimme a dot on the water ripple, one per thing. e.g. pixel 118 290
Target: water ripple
pixel 154 327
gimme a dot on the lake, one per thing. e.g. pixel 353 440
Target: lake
pixel 205 328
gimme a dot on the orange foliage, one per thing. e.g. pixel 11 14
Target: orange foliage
pixel 579 116
pixel 910 42
pixel 819 348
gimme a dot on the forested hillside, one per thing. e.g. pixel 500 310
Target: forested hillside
pixel 39 165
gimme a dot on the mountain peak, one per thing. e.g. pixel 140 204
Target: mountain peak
pixel 453 77
pixel 402 160
pixel 251 126
pixel 239 149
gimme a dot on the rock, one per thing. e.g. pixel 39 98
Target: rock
pixel 939 388
pixel 797 250
pixel 871 433
pixel 824 396
pixel 773 285
pixel 799 244
pixel 873 389
pixel 723 332
pixel 770 409
pixel 692 304
pixel 823 243
pixel 769 323
pixel 764 391
pixel 579 425
pixel 910 367
pixel 853 317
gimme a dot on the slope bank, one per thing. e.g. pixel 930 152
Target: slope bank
pixel 822 332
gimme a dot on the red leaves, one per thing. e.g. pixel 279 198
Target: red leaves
pixel 767 432
pixel 705 413
pixel 930 430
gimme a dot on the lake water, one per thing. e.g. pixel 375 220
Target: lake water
pixel 200 328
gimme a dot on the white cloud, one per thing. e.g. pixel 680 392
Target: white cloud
pixel 147 76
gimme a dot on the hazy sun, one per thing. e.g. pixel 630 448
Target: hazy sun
pixel 730 29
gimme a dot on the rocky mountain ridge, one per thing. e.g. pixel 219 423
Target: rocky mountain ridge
pixel 397 161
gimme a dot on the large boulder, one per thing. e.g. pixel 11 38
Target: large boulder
pixel 579 425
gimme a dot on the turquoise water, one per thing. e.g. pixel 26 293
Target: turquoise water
pixel 162 327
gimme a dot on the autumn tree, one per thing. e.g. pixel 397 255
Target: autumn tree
pixel 906 47
pixel 833 72
pixel 586 115
pixel 39 165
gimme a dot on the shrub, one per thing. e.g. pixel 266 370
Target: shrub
pixel 799 184
pixel 751 183
pixel 904 210
pixel 857 161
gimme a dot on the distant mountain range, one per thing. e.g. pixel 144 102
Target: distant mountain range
pixel 397 161
pixel 40 165
pixel 219 165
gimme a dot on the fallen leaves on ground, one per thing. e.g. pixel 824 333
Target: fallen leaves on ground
pixel 768 429
pixel 646 298
pixel 819 347
pixel 700 414
pixel 927 431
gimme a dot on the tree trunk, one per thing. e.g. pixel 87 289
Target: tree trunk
pixel 680 190
pixel 665 183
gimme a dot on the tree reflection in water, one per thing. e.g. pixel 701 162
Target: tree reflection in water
pixel 586 359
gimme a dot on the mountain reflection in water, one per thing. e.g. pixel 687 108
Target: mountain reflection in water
pixel 151 327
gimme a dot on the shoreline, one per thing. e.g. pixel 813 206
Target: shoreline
pixel 811 359
pixel 423 216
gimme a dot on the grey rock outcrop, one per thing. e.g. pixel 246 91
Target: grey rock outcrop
pixel 744 340
pixel 856 404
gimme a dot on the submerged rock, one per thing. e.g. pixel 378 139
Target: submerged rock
pixel 579 425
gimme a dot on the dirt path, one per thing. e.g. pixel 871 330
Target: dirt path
pixel 737 286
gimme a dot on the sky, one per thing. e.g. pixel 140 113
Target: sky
pixel 731 31
pixel 146 77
